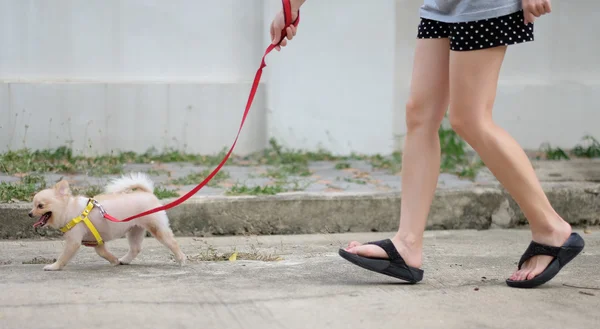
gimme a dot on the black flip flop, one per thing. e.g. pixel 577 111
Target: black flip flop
pixel 562 256
pixel 394 266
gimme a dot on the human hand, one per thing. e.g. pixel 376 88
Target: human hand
pixel 535 8
pixel 278 25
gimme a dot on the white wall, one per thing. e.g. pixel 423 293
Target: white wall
pixel 135 74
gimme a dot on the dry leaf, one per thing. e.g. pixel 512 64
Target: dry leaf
pixel 587 231
pixel 233 257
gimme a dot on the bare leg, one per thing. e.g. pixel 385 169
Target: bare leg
pixel 473 82
pixel 135 236
pixel 104 253
pixel 70 250
pixel 421 158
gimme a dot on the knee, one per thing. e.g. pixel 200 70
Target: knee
pixel 466 124
pixel 420 116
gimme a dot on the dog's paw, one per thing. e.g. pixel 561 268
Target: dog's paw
pixel 52 267
pixel 181 261
pixel 124 261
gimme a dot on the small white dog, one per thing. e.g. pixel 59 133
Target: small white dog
pixel 56 207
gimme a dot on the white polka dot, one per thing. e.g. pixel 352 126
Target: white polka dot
pixel 482 35
pixel 487 30
pixel 476 31
pixel 462 38
pixel 491 44
pixel 470 47
pixel 439 36
pixel 481 46
pixel 460 48
pixel 492 23
pixel 471 26
pixel 486 40
pixel 509 38
pixel 435 32
pixel 505 33
pixel 466 32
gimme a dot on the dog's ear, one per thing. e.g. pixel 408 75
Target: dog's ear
pixel 62 188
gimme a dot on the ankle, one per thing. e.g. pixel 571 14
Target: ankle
pixel 410 248
pixel 555 231
pixel 409 241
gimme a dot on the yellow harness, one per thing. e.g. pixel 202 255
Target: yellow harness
pixel 84 217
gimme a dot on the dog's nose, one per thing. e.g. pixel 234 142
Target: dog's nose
pixel 30 214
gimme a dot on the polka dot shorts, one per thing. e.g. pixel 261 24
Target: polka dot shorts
pixel 486 33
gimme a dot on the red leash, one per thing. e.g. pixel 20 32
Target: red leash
pixel 287 10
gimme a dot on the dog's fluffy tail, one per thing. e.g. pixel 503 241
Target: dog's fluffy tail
pixel 129 182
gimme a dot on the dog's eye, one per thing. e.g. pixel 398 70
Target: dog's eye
pixel 40 206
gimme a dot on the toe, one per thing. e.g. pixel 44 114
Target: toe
pixel 353 244
pixel 524 275
pixel 371 251
pixel 531 275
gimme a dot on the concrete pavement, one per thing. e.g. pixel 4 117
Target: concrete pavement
pixel 311 287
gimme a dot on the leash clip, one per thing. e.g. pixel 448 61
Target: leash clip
pixel 99 206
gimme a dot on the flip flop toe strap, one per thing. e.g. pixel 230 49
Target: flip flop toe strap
pixel 536 249
pixel 388 246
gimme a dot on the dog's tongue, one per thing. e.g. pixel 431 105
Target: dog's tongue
pixel 41 221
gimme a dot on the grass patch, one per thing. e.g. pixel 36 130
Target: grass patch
pixel 39 260
pixel 354 180
pixel 164 193
pixel 392 163
pixel 196 178
pixel 158 172
pixel 454 157
pixel 589 148
pixel 89 191
pixel 282 172
pixel 62 160
pixel 342 165
pixel 212 255
pixel 239 189
pixel 24 190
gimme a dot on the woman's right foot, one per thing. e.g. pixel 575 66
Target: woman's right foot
pixel 412 256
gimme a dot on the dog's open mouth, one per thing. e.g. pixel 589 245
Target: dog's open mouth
pixel 43 220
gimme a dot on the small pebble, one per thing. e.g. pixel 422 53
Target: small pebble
pixel 476 289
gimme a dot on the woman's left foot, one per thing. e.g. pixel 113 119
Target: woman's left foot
pixel 537 264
